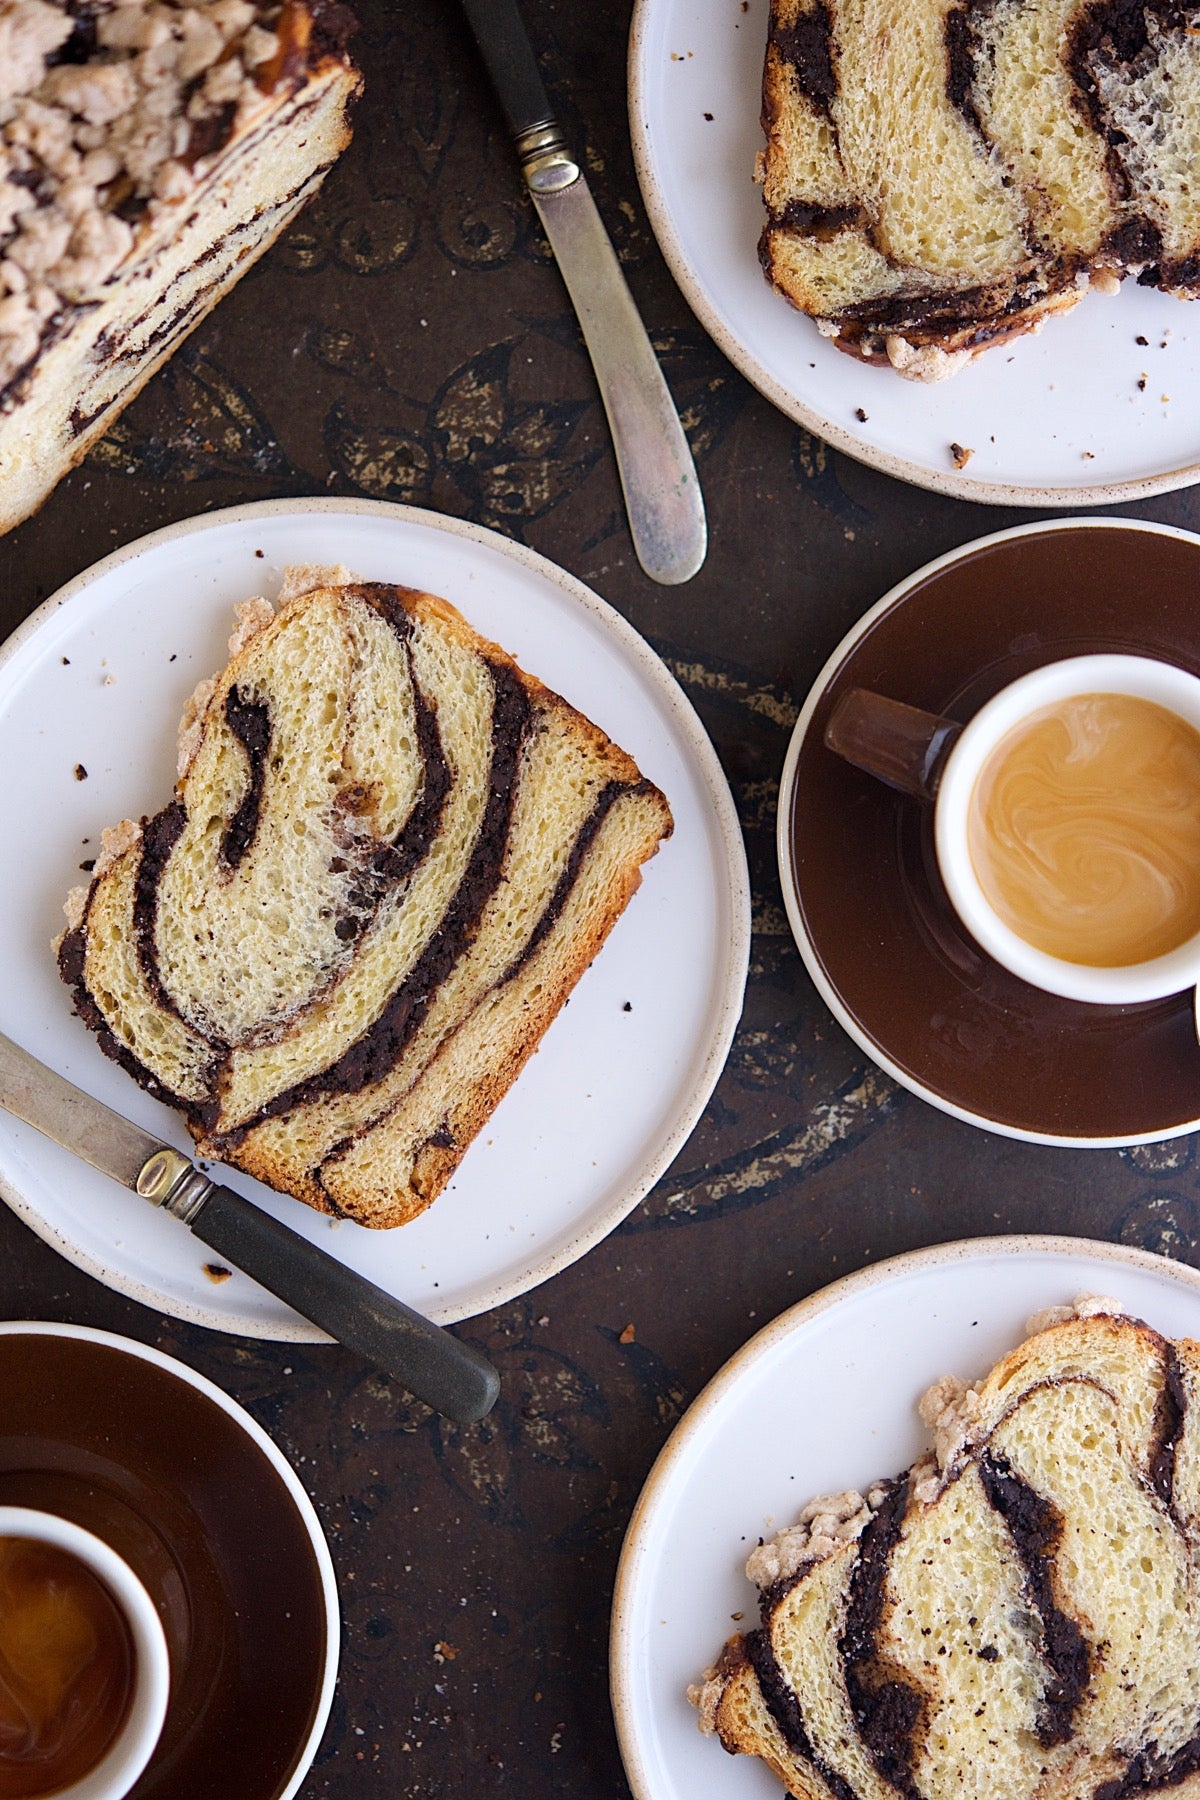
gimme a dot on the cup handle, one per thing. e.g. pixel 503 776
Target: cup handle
pixel 898 744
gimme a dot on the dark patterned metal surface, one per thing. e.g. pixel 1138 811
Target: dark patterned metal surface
pixel 410 340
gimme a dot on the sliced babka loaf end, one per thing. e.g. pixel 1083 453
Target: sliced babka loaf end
pixel 391 855
pixel 149 153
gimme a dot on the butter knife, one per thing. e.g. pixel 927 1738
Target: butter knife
pixel 432 1364
pixel 658 477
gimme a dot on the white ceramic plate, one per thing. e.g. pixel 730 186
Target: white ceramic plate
pixel 98 676
pixel 1054 420
pixel 823 1399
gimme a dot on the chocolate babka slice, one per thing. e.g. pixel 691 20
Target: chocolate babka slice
pixel 941 175
pixel 1017 1616
pixel 150 151
pixel 390 857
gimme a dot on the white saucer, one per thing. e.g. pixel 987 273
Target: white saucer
pixel 822 1399
pixel 97 678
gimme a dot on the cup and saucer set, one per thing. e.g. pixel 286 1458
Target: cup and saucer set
pixel 896 935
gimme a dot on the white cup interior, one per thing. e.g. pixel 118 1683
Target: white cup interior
pixel 1140 676
pixel 118 1770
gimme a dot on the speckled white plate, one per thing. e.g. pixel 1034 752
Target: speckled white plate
pixel 98 676
pixel 824 1398
pixel 1053 420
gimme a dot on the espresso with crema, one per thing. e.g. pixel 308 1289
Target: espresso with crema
pixel 66 1669
pixel 1084 830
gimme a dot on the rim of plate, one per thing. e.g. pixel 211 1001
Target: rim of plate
pixel 787 781
pixel 622 1648
pixel 727 1007
pixel 291 1481
pixel 939 481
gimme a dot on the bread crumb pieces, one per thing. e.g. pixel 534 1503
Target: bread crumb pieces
pixel 252 617
pixel 628 1335
pixel 73 907
pixel 115 840
pixel 860 414
pixel 302 578
pixel 81 773
pixel 191 725
pixel 961 454
pixel 217 1272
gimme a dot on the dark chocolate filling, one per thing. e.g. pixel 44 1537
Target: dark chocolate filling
pixel 250 722
pixel 1136 241
pixel 1168 1427
pixel 1035 1525
pixel 606 799
pixel 208 135
pixel 71 957
pixel 381 1046
pixel 808 46
pixel 333 25
pixel 886 1710
pixel 392 864
pixel 1151 1773
pixel 784 1708
pixel 960 43
pixel 159 837
pixel 821 222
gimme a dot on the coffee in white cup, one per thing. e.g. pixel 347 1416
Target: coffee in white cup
pixel 84 1670
pixel 1066 822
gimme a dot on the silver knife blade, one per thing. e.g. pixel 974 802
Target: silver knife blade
pixel 86 1127
pixel 658 476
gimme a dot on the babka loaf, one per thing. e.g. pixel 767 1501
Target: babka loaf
pixel 150 150
pixel 1017 1616
pixel 390 857
pixel 941 175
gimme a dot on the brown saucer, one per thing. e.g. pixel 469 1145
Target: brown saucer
pixel 864 897
pixel 137 1449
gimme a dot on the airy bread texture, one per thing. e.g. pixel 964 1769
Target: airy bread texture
pixel 391 856
pixel 1017 1617
pixel 149 153
pixel 941 175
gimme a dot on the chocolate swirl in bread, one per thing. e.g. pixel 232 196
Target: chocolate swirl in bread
pixel 392 855
pixel 1020 1619
pixel 941 175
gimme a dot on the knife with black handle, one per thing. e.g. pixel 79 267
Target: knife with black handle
pixel 431 1363
pixel 658 476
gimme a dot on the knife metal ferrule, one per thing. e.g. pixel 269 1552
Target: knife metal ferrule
pixel 168 1179
pixel 546 162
